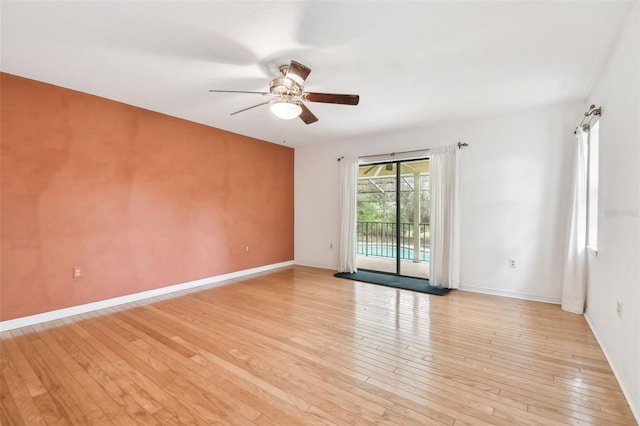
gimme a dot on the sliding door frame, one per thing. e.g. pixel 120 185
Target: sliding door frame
pixel 398 214
pixel 398 175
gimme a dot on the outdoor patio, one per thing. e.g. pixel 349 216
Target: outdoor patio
pixel 388 264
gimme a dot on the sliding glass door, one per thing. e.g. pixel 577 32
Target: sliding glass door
pixel 393 217
pixel 413 218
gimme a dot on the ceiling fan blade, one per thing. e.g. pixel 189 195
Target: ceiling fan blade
pixel 331 98
pixel 239 91
pixel 307 116
pixel 297 72
pixel 248 108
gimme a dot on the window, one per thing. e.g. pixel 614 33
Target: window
pixel 593 142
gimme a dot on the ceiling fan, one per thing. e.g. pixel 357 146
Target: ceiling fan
pixel 287 93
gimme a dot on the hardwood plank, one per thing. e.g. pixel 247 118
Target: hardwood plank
pixel 56 405
pixel 148 382
pixel 23 401
pixel 83 404
pixel 104 372
pixel 298 346
pixel 21 363
pixel 9 411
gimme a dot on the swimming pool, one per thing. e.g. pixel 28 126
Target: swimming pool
pixel 390 251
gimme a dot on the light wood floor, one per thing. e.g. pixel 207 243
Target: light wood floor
pixel 298 346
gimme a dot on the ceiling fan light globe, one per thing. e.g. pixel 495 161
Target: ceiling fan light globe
pixel 286 110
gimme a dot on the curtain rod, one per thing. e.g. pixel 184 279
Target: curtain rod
pixel 393 154
pixel 591 113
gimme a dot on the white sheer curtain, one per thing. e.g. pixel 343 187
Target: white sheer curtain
pixel 445 217
pixel 574 279
pixel 348 214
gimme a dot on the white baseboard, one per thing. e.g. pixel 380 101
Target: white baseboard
pixel 632 399
pixel 511 294
pixel 108 303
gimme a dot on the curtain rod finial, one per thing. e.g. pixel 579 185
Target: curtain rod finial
pixel 461 144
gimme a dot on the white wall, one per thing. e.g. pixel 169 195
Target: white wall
pixel 513 195
pixel 614 275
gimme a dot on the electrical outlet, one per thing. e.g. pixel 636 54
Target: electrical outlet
pixel 512 263
pixel 77 272
pixel 246 248
pixel 331 246
pixel 619 308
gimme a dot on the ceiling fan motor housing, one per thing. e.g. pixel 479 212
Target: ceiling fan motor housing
pixel 284 86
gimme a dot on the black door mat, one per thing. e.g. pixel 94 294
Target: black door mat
pixel 391 280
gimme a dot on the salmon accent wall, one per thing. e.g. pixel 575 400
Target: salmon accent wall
pixel 137 199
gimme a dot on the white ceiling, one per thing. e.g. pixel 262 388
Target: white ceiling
pixel 412 63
